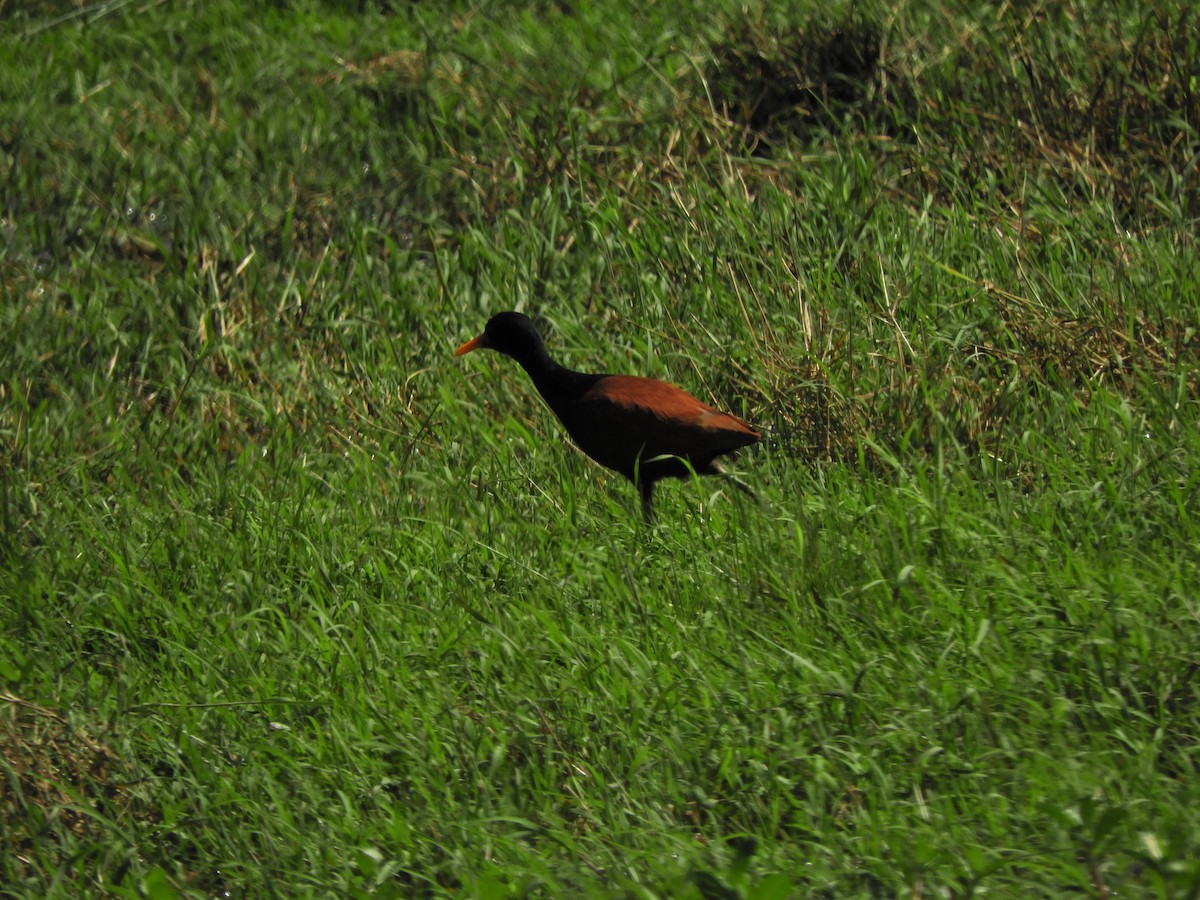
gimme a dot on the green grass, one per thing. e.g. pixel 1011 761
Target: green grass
pixel 293 602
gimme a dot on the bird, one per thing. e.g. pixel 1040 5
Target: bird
pixel 641 428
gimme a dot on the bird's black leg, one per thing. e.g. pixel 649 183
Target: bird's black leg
pixel 714 468
pixel 739 484
pixel 646 487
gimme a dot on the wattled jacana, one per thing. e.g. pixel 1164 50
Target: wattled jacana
pixel 642 428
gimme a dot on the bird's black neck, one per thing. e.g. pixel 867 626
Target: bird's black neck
pixel 559 386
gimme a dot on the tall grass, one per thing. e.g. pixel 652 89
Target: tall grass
pixel 292 602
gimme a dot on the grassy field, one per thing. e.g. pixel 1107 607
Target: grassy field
pixel 295 603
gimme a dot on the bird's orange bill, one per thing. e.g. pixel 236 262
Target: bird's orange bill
pixel 473 344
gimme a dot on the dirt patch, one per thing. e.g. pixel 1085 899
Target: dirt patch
pixel 57 781
pixel 781 85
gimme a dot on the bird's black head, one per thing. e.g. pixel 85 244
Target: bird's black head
pixel 510 333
